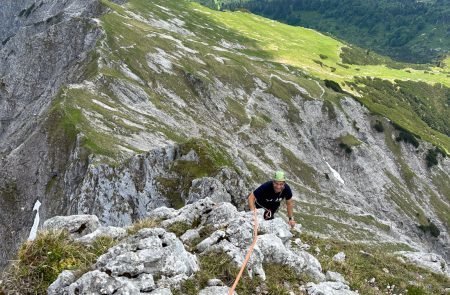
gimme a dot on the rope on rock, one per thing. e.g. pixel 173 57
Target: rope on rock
pixel 249 252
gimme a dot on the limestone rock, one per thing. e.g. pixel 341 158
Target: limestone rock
pixel 208 187
pixel 103 231
pixel 329 288
pixel 76 225
pixel 340 257
pixel 216 290
pixel 336 277
pixel 430 261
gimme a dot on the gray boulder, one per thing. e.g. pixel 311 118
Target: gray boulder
pixel 336 277
pixel 340 257
pixel 329 288
pixel 152 251
pixel 63 281
pixel 103 231
pixel 131 267
pixel 215 290
pixel 208 187
pixel 430 261
pixel 77 225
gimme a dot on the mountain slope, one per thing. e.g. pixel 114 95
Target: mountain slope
pixel 412 31
pixel 176 99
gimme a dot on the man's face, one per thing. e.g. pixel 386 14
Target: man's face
pixel 278 186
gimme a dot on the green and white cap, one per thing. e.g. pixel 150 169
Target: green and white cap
pixel 279 176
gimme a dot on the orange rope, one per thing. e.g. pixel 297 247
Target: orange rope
pixel 249 252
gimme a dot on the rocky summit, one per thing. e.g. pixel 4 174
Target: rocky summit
pixel 120 111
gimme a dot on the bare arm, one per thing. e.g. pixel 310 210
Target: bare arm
pixel 251 201
pixel 290 208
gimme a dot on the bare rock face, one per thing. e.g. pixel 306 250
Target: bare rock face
pixel 44 44
pixel 329 288
pixel 77 226
pixel 430 261
pixel 133 265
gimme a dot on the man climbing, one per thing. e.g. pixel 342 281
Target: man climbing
pixel 269 196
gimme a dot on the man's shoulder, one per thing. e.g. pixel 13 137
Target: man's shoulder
pixel 287 189
pixel 265 186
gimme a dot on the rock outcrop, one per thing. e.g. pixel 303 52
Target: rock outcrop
pixel 153 259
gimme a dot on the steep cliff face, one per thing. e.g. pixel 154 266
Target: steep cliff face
pixel 44 46
pixel 146 106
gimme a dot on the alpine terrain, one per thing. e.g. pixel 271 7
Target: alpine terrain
pixel 132 132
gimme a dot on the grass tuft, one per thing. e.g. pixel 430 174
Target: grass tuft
pixel 39 262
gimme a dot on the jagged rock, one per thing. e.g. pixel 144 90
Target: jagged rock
pixel 190 235
pixel 131 266
pixel 430 261
pixel 162 213
pixel 216 290
pixel 221 213
pixel 103 231
pixel 94 282
pixel 329 288
pixel 152 251
pixel 211 240
pixel 273 250
pixel 235 186
pixel 64 280
pixel 208 187
pixel 190 213
pixel 340 257
pixel 214 282
pixel 335 277
pixel 236 235
pixel 77 225
pixel 277 227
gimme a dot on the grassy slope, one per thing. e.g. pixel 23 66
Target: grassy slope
pixel 320 56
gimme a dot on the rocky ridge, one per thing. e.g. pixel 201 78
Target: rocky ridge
pixel 155 261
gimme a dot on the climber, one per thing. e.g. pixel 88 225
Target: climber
pixel 269 196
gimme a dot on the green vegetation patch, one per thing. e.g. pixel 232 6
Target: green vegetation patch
pixel 39 262
pixel 220 266
pixel 330 227
pixel 418 110
pixel 300 169
pixel 210 159
pixel 364 261
pixel 400 196
pixel 348 142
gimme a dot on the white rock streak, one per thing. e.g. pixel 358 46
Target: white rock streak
pixel 34 228
pixel 336 174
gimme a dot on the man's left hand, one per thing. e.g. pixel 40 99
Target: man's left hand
pixel 292 223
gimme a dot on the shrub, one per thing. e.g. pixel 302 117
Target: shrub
pixel 431 228
pixel 431 158
pixel 333 85
pixel 378 126
pixel 408 138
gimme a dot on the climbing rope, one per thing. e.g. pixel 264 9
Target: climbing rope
pixel 249 252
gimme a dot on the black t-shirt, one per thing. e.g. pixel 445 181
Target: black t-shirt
pixel 267 198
